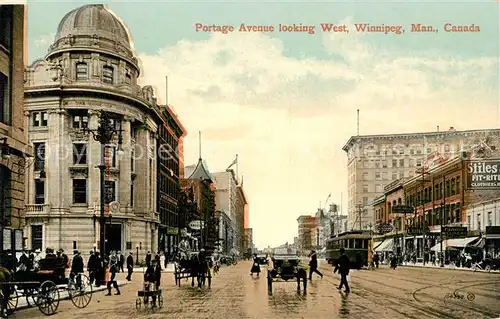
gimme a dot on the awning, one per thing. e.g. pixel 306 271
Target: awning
pixel 454 243
pixel 492 236
pixel 387 245
pixel 377 244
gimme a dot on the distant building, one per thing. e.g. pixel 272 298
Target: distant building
pixel 374 161
pixel 307 233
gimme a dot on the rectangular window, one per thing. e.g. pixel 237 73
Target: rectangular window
pixel 365 176
pixel 394 163
pixel 401 163
pixel 81 71
pixel 365 200
pixel 419 162
pixel 79 153
pixel 107 74
pixel 4 99
pixel 378 188
pixel 40 119
pixel 384 163
pixel 39 156
pixel 132 194
pixel 109 192
pixel 80 191
pixel 377 164
pixel 39 192
pixel 80 120
pixel 490 220
pixel 365 188
pixel 394 176
pixel 36 237
pixel 377 176
pixel 6 16
pixel 478 221
pixel 385 176
pixel 468 222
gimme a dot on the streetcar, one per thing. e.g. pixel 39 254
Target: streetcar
pixel 356 245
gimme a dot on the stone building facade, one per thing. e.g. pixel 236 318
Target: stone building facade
pixel 226 192
pixel 239 221
pixel 91 68
pixel 14 148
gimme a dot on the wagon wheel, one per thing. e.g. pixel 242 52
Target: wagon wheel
pixel 80 295
pixel 13 301
pixel 48 298
pixel 160 301
pixel 138 303
pixel 269 283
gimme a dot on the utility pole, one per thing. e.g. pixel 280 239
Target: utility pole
pixel 360 212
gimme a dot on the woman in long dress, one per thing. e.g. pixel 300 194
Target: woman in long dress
pixel 255 266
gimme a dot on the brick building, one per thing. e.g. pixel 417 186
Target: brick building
pixel 307 233
pixel 13 132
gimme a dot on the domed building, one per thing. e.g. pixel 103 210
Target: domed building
pixel 88 80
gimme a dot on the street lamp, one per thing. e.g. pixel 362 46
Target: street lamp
pixel 5 149
pixel 104 135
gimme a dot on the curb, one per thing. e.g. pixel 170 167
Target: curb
pixel 95 290
pixel 448 268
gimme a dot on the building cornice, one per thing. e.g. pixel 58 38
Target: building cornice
pixel 413 136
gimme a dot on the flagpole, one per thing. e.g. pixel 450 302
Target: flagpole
pixel 237 169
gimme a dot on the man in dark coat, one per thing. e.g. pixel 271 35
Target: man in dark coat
pixel 91 267
pixel 343 266
pixel 130 266
pixel 76 268
pixel 313 264
pixel 121 261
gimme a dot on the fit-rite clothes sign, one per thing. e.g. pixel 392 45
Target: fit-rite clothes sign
pixel 483 174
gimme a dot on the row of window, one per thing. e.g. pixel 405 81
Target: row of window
pixel 478 220
pixel 411 162
pixel 451 214
pixel 79 119
pixel 80 155
pixel 428 194
pixel 80 191
pixel 108 73
pixel 394 150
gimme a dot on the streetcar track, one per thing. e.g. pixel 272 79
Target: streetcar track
pixel 477 308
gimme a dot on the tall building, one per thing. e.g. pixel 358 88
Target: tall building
pixel 90 69
pixel 307 233
pixel 248 240
pixel 226 192
pixel 374 161
pixel 241 207
pixel 170 136
pixel 14 148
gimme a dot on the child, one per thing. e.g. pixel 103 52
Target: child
pixel 152 277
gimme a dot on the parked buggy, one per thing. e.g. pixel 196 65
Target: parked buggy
pixel 41 288
pixel 151 289
pixel 285 268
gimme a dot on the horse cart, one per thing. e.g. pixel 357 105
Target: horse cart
pixel 284 269
pixel 42 288
pixel 144 296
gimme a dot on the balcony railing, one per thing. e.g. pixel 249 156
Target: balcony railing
pixel 37 209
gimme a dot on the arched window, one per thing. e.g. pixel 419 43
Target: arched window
pixel 5 196
pixel 108 74
pixel 82 71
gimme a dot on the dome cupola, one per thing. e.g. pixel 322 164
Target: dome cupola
pixel 92 27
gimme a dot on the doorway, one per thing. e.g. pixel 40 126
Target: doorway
pixel 113 237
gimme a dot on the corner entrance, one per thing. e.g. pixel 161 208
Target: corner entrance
pixel 113 237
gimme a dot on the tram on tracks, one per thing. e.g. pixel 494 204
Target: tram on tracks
pixel 356 245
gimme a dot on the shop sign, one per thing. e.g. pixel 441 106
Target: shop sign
pixel 483 174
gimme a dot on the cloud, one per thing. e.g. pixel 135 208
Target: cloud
pixel 45 40
pixel 288 117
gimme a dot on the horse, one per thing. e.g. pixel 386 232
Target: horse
pixel 6 289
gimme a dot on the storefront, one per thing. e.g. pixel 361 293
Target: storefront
pixel 490 242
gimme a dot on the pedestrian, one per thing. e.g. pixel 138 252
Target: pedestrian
pixel 313 264
pixel 130 266
pixel 113 269
pixel 343 266
pixel 90 267
pixel 148 259
pixel 150 281
pixel 98 269
pixel 376 259
pixel 121 261
pixel 76 269
pixel 255 266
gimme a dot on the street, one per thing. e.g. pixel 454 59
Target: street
pixel 407 292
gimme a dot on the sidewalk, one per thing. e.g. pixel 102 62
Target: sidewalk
pixel 63 295
pixel 446 267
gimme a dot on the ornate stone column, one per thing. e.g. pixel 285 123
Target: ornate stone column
pixel 125 166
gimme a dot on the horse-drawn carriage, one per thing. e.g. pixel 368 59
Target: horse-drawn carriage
pixel 41 288
pixel 285 268
pixel 192 265
pixel 262 259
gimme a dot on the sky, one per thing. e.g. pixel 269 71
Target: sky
pixel 286 102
